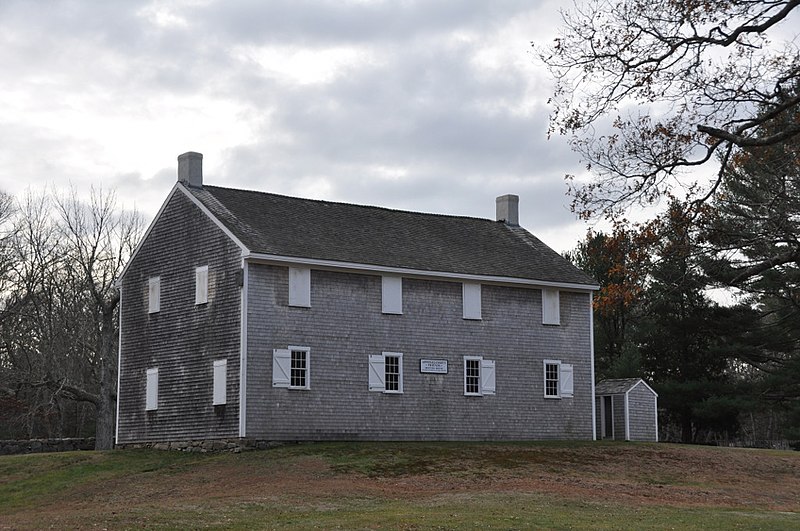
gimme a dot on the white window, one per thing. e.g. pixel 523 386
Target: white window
pixel 479 376
pixel 291 367
pixel 201 285
pixel 551 311
pixel 220 382
pixel 300 287
pixel 386 372
pixel 558 379
pixel 392 294
pixel 471 297
pixel 151 390
pixel 154 295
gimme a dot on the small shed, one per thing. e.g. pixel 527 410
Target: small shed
pixel 627 410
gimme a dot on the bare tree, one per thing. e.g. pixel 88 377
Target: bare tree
pixel 28 320
pixel 98 240
pixel 59 326
pixel 649 91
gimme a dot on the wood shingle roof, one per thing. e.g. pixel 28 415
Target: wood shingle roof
pixel 617 386
pixel 278 225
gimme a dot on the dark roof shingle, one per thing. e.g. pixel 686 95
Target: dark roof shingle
pixel 306 228
pixel 616 386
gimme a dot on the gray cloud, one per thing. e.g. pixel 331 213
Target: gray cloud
pixel 416 118
pixel 332 21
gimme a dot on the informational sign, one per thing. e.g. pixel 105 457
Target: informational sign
pixel 433 366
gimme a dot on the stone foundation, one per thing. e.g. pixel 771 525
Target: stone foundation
pixel 35 446
pixel 203 446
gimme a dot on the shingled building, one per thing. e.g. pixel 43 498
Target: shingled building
pixel 248 316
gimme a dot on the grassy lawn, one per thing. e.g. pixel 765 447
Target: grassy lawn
pixel 407 486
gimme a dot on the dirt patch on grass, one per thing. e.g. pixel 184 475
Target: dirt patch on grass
pixel 326 475
pixel 665 474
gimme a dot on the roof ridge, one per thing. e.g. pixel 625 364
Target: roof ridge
pixel 281 225
pixel 357 205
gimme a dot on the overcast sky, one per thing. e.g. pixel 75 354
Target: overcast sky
pixel 434 106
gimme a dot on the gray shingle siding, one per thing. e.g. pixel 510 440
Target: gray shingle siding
pixel 641 412
pixel 344 325
pixel 619 417
pixel 183 339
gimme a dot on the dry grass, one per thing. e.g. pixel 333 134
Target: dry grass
pixel 407 486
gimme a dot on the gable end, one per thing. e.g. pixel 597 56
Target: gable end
pixel 175 189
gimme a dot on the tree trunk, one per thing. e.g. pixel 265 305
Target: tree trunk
pixel 106 407
pixel 686 429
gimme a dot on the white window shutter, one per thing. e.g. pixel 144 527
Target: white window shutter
pixel 300 287
pixel 281 367
pixel 487 377
pixel 377 372
pixel 154 295
pixel 471 296
pixel 392 294
pixel 220 382
pixel 201 285
pixel 151 392
pixel 551 307
pixel 567 382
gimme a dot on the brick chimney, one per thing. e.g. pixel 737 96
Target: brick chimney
pixel 508 209
pixel 190 169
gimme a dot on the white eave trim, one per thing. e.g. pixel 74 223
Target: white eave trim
pixel 412 273
pixel 201 206
pixel 642 382
pixel 213 218
pixel 348 266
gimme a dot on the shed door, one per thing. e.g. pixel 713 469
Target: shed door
pixel 608 418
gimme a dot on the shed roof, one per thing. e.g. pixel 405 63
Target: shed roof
pixel 618 386
pixel 285 226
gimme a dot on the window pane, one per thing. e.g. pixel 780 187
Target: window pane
pixel 551 379
pixel 392 373
pixel 298 377
pixel 472 376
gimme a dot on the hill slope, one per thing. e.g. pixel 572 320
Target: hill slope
pixel 407 486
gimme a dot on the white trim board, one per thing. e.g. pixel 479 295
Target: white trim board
pixel 213 218
pixel 200 205
pixel 627 418
pixel 135 252
pixel 243 352
pixel 119 367
pixel 335 265
pixel 591 365
pixel 349 266
pixel 645 384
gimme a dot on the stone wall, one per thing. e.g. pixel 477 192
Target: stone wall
pixel 34 446
pixel 234 445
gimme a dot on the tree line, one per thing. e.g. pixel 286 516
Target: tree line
pixel 59 259
pixel 691 105
pixel 692 108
